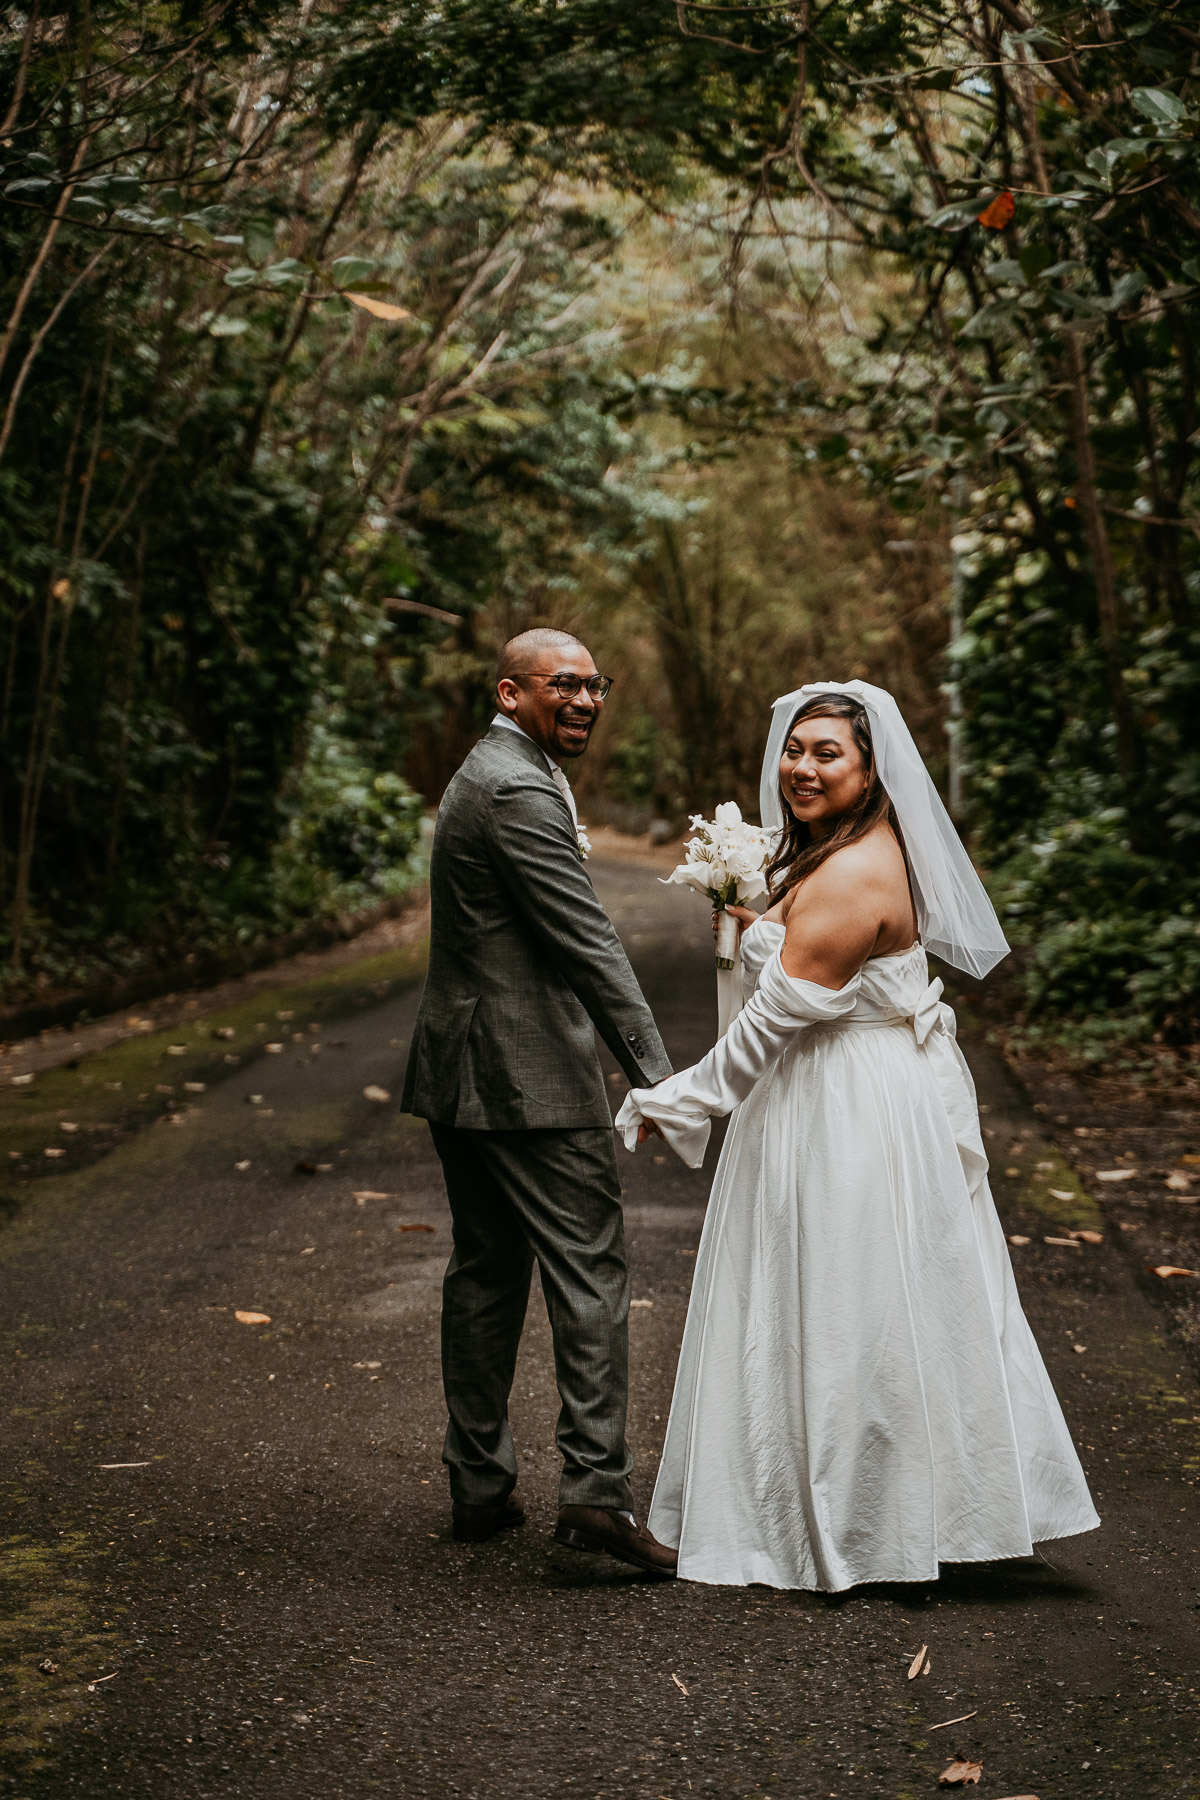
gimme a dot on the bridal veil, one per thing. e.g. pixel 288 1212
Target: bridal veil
pixel 955 918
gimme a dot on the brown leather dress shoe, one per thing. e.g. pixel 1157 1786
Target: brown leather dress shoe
pixel 476 1524
pixel 600 1530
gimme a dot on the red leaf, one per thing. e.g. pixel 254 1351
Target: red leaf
pixel 997 214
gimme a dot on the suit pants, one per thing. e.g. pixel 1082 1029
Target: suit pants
pixel 553 1196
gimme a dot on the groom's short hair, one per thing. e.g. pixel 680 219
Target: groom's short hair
pixel 520 652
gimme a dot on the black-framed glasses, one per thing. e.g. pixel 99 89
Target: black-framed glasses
pixel 569 685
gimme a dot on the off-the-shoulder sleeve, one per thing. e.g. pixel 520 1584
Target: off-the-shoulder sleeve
pixel 759 941
pixel 683 1105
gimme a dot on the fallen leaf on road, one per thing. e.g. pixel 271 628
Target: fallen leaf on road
pixel 641 1303
pixel 273 1049
pixel 1125 1225
pixel 194 1087
pixel 304 1167
pixel 418 1228
pixel 252 1318
pixel 379 309
pixel 1178 1181
pixel 1063 1193
pixel 1019 1797
pixel 112 1086
pixel 1019 1241
pixel 53 1151
pixel 960 1773
pixel 1115 1174
pixel 137 1465
pixel 679 1684
pixel 309 1250
pixel 918 1662
pixel 962 1717
pixel 1011 1173
pixel 1087 1237
pixel 176 1049
pixel 368 1365
pixel 375 1093
pixel 1079 1349
pixel 361 1194
pixel 285 1015
pixel 1168 1269
pixel 63 1126
pixel 1063 1243
pixel 254 1099
pixel 47 1667
pixel 223 1031
pixel 242 1165
pixel 21 1080
pixel 1190 1159
pixel 99 1682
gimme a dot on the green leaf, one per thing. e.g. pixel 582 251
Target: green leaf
pixel 285 273
pixel 33 185
pixel 1128 288
pixel 1159 106
pixel 993 317
pixel 240 277
pixel 1091 304
pixel 350 271
pixel 259 238
pixel 196 234
pixel 960 213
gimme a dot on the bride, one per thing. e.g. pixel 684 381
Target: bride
pixel 859 1396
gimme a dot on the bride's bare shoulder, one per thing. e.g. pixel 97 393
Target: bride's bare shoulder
pixel 875 858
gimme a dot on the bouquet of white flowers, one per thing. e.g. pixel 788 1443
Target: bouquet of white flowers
pixel 725 860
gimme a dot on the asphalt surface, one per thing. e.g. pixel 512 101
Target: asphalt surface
pixel 229 1541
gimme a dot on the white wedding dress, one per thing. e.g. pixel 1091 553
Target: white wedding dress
pixel 859 1395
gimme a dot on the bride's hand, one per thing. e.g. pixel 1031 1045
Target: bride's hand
pixel 646 1130
pixel 742 914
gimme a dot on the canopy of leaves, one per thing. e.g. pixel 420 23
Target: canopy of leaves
pixel 298 366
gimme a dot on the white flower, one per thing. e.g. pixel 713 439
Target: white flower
pixel 726 857
pixel 584 842
pixel 693 875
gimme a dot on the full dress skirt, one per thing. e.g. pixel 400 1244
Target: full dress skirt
pixel 859 1396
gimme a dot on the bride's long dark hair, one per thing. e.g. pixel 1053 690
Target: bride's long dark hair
pixel 799 853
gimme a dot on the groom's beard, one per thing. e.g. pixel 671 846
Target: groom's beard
pixel 574 741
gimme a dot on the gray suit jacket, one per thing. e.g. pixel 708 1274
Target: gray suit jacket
pixel 523 960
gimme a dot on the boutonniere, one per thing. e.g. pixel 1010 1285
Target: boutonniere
pixel 584 843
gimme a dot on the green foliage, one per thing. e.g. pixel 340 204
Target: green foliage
pixel 1023 183
pixel 236 501
pixel 354 825
pixel 306 399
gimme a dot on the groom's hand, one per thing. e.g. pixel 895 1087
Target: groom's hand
pixel 647 1129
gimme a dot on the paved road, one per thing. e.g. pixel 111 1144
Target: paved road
pixel 266 1600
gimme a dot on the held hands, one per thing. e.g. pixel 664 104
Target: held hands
pixel 743 914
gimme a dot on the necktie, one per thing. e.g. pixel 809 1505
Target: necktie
pixel 564 787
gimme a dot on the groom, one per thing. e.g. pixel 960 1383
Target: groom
pixel 523 963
